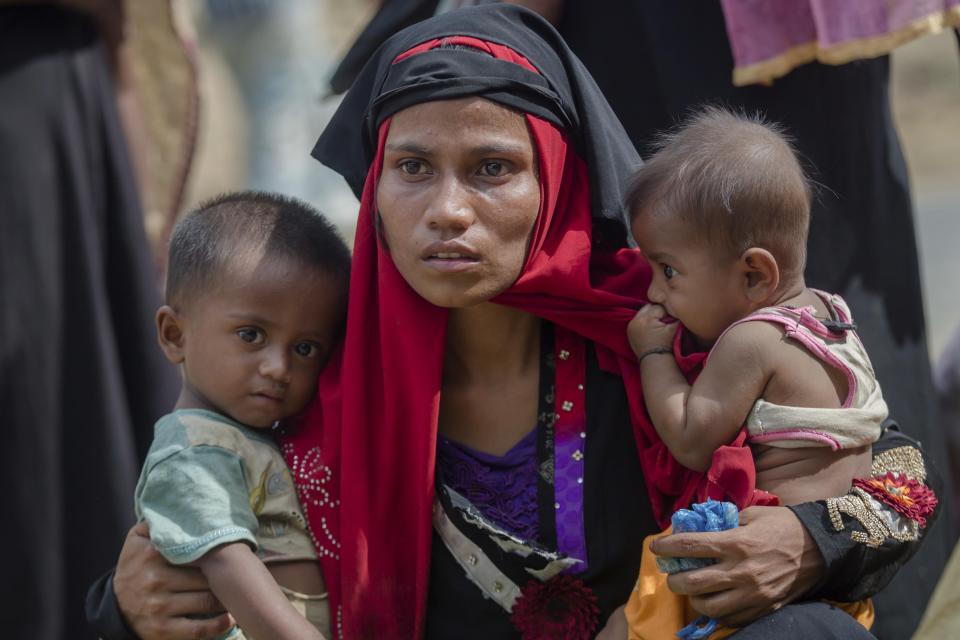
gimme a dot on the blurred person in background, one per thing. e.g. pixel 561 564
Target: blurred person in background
pixel 81 380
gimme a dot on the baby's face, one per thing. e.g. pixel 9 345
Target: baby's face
pixel 254 346
pixel 697 286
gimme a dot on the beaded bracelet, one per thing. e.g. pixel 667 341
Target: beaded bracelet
pixel 655 350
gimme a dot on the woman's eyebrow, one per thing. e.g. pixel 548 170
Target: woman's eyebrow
pixel 407 147
pixel 498 149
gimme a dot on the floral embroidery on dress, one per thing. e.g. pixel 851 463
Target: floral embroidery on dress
pixel 893 503
pixel 562 607
pixel 312 482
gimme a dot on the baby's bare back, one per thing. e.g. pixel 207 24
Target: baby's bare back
pixel 800 379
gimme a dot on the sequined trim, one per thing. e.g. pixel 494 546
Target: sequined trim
pixel 879 521
pixel 900 460
pixel 313 482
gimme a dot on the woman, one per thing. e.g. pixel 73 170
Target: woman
pixel 474 449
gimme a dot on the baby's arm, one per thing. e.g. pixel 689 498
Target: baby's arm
pixel 245 587
pixel 694 420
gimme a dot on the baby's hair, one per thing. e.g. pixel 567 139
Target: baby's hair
pixel 734 181
pixel 234 224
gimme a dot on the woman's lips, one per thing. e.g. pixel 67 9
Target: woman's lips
pixel 451 262
pixel 450 257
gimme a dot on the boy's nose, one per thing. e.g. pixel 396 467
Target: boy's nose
pixel 276 367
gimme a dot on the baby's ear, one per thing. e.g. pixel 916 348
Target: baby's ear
pixel 170 333
pixel 761 274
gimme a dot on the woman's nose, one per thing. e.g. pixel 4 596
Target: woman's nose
pixel 450 207
pixel 276 365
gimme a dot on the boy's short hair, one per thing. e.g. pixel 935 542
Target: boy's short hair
pixel 735 181
pixel 220 229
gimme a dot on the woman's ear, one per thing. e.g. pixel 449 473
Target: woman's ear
pixel 761 274
pixel 170 333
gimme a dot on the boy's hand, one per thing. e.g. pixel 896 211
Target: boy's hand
pixel 648 331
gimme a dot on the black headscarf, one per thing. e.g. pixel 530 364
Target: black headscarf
pixel 563 93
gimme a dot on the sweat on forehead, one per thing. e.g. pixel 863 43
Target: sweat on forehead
pixel 237 226
pixel 734 181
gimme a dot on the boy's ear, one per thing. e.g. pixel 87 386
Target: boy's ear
pixel 170 333
pixel 761 274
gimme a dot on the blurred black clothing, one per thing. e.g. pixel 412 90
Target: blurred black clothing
pixel 81 378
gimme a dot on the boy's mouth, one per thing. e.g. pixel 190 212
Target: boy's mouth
pixel 269 396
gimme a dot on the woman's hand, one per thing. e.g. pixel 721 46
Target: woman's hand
pixel 616 627
pixel 765 563
pixel 647 331
pixel 155 597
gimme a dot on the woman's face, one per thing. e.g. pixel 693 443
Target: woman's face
pixel 458 197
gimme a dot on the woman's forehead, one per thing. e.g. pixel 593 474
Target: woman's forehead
pixel 451 122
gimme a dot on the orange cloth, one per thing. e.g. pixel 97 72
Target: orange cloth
pixel 656 613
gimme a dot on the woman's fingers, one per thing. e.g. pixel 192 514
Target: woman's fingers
pixel 192 602
pixel 155 596
pixel 694 545
pixel 697 582
pixel 190 629
pixel 729 609
pixel 765 563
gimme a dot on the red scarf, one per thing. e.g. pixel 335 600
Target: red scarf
pixel 363 458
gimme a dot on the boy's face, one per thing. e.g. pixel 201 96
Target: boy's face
pixel 693 282
pixel 253 348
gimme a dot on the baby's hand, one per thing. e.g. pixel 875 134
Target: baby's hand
pixel 647 331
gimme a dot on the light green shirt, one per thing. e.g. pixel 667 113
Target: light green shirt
pixel 209 481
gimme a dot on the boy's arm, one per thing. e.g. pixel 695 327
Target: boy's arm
pixel 245 587
pixel 694 420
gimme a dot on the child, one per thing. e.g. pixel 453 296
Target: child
pixel 255 302
pixel 722 212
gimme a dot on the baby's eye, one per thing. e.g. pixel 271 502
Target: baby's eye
pixel 668 271
pixel 306 349
pixel 250 335
pixel 493 169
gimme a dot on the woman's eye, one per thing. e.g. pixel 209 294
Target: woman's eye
pixel 411 167
pixel 668 271
pixel 250 335
pixel 306 349
pixel 493 169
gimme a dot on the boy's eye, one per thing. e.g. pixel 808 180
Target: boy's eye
pixel 668 271
pixel 250 335
pixel 306 349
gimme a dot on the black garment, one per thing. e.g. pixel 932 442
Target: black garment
pixel 563 93
pixel 81 378
pixel 805 620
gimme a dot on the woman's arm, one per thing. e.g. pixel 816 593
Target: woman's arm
pixel 782 554
pixel 150 599
pixel 242 583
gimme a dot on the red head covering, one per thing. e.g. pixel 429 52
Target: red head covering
pixel 364 457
